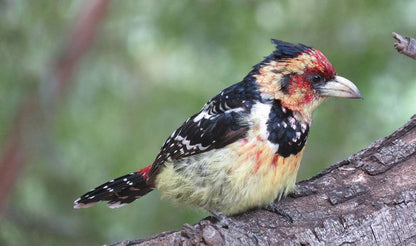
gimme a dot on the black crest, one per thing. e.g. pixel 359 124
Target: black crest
pixel 287 50
pixel 283 50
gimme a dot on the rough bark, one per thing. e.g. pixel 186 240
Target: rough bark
pixel 367 199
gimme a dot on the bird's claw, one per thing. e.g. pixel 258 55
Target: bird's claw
pixel 275 208
pixel 222 220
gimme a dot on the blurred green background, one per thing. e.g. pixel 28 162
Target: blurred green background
pixel 155 63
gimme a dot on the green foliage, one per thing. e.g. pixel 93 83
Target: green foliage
pixel 154 63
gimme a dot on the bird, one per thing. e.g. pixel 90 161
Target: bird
pixel 243 149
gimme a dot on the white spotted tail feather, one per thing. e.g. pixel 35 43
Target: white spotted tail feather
pixel 117 192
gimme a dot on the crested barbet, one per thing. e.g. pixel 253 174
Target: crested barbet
pixel 243 149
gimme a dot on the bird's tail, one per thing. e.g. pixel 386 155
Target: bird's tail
pixel 118 192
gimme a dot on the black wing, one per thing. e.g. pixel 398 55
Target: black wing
pixel 223 120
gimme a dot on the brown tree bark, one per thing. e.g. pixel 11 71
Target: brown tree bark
pixel 367 199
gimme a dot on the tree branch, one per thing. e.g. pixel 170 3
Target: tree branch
pixel 405 45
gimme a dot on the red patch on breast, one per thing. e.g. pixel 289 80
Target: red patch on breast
pixel 258 155
pixel 258 161
pixel 275 160
pixel 244 141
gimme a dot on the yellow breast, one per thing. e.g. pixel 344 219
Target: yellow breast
pixel 244 175
pixel 262 175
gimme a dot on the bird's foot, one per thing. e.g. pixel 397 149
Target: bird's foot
pixel 226 222
pixel 222 220
pixel 275 208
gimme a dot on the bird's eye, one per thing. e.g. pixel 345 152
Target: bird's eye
pixel 316 78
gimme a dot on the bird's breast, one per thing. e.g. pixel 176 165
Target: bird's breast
pixel 243 175
pixel 257 160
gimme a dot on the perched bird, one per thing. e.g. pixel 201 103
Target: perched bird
pixel 243 149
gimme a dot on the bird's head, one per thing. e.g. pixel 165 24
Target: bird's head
pixel 300 77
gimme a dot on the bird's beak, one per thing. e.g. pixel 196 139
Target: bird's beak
pixel 339 87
